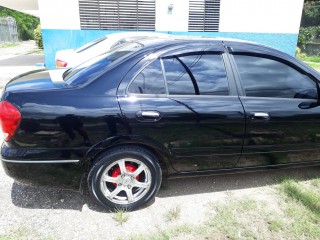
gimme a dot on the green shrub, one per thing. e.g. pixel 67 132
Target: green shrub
pixel 38 37
pixel 308 34
pixel 299 54
pixel 24 34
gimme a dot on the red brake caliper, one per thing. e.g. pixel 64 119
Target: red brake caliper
pixel 129 167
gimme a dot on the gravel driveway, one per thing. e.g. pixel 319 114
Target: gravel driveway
pixel 60 214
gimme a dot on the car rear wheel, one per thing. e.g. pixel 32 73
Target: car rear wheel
pixel 124 178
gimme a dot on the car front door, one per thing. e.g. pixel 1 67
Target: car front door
pixel 282 111
pixel 186 102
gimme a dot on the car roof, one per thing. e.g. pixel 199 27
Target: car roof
pixel 186 40
pixel 232 45
pixel 236 46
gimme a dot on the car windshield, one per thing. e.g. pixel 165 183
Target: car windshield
pixel 90 44
pixel 95 66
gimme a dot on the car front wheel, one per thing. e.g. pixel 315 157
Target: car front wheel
pixel 124 178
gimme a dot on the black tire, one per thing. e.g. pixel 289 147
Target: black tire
pixel 143 187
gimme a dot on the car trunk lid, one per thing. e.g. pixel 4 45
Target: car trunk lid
pixel 37 80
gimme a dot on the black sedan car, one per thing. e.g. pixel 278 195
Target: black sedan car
pixel 160 108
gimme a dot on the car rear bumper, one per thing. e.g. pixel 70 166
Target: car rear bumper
pixel 61 173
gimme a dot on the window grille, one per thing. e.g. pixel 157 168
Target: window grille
pixel 117 15
pixel 204 15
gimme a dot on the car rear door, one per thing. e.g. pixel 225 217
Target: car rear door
pixel 282 109
pixel 187 102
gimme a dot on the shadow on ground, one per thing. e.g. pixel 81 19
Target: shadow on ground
pixel 25 196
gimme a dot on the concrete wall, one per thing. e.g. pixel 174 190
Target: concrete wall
pixel 177 20
pixel 270 22
pixel 260 16
pixel 59 14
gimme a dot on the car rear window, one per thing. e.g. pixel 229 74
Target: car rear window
pixel 94 67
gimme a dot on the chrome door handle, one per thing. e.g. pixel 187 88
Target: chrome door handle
pixel 259 116
pixel 150 114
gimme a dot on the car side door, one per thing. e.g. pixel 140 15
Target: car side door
pixel 186 102
pixel 282 110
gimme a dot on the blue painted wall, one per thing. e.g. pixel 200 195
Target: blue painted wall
pixel 55 40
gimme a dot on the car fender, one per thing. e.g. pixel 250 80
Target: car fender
pixel 162 153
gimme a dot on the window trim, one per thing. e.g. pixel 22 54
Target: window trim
pixel 238 78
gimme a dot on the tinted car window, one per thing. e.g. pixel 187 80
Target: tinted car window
pixel 263 77
pixel 149 80
pixel 94 67
pixel 201 74
pixel 179 81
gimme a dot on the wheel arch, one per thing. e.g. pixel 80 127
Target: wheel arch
pixel 160 152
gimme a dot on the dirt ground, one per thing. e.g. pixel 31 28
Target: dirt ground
pixel 60 214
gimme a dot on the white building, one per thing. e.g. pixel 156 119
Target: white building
pixel 72 23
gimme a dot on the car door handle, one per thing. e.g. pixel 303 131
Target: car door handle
pixel 150 114
pixel 259 116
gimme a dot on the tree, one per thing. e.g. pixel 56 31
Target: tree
pixel 38 37
pixel 25 22
pixel 311 14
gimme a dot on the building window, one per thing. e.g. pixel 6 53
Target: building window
pixel 117 14
pixel 204 15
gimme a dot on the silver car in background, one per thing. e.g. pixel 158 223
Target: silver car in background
pixel 73 57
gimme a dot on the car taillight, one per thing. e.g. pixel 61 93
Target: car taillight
pixel 60 63
pixel 10 118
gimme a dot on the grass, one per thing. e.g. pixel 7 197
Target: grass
pixel 234 219
pixel 315 59
pixel 7 45
pixel 173 214
pixel 302 208
pixel 275 225
pixel 167 234
pixel 316 183
pixel 313 65
pixel 14 234
pixel 306 197
pixel 22 233
pixel 120 216
pixel 312 61
pixel 292 212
